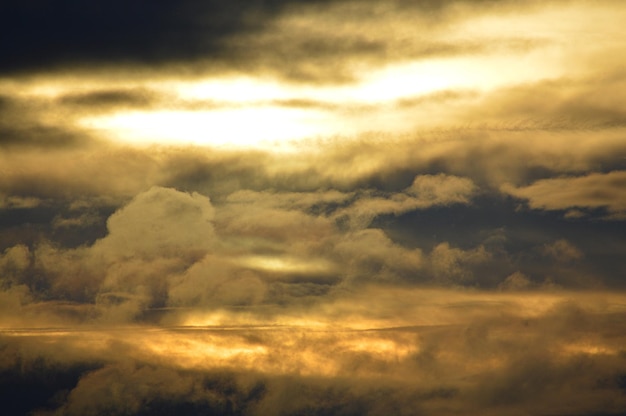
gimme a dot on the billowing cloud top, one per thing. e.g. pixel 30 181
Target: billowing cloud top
pixel 313 207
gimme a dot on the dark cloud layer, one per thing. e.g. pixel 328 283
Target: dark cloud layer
pixel 230 36
pixel 44 34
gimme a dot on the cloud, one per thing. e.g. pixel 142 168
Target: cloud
pixel 160 222
pixel 453 265
pixel 154 237
pixel 27 124
pixel 425 192
pixel 436 251
pixel 127 388
pixel 442 189
pixel 335 42
pixel 316 41
pixel 371 255
pixel 15 259
pixel 515 281
pixel 562 251
pixel 216 282
pixel 298 206
pixel 583 102
pixel 104 99
pixel 376 349
pixel 591 191
pixel 13 202
pixel 118 33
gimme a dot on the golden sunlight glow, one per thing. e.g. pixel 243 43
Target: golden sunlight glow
pixel 232 90
pixel 249 114
pixel 339 337
pixel 588 348
pixel 261 127
pixel 264 113
pixel 287 264
pixel 380 86
pixel 384 349
pixel 423 77
pixel 202 350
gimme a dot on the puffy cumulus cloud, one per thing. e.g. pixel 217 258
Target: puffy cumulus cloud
pixel 589 192
pixel 160 222
pixel 157 235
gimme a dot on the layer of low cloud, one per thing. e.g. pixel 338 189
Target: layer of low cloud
pixel 469 352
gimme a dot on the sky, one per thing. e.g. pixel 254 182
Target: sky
pixel 317 207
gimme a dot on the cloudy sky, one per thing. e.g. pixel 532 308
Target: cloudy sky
pixel 317 207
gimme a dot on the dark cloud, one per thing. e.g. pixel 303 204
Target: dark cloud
pixel 195 36
pixel 37 135
pixel 70 33
pixel 21 126
pixel 109 98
